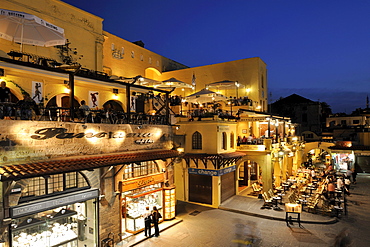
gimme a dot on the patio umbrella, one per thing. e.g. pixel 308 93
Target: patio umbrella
pixel 205 96
pixel 28 29
pixel 225 84
pixel 174 83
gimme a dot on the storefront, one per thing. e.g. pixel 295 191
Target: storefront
pixel 202 182
pixel 141 192
pixel 343 160
pixel 68 220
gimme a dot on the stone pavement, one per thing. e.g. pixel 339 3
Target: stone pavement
pixel 318 229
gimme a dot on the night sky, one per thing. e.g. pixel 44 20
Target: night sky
pixel 317 49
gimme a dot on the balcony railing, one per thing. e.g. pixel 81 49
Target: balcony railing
pixel 13 112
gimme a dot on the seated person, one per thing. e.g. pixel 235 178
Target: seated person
pixel 26 106
pixel 84 109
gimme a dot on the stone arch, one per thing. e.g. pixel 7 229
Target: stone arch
pixel 61 100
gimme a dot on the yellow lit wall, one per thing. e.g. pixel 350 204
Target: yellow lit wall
pixel 76 24
pixel 250 72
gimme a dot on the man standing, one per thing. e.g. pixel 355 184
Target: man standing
pixel 4 97
pixel 156 215
pixel 147 220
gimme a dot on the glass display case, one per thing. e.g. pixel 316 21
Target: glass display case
pixel 55 229
pixel 68 226
pixel 134 203
pixel 169 203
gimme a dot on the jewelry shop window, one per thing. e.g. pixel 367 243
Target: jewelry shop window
pixel 134 203
pixel 69 226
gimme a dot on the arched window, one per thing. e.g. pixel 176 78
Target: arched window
pixel 197 140
pixel 224 140
pixel 232 140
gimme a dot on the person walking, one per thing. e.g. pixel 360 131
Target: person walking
pixel 156 215
pixel 347 183
pixel 147 221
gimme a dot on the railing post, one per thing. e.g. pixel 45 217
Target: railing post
pixel 128 103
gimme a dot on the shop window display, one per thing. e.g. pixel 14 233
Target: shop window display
pixel 62 227
pixel 134 203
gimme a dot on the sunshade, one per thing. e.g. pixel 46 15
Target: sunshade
pixel 204 96
pixel 225 84
pixel 174 83
pixel 28 29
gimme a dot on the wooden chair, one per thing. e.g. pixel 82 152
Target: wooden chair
pixel 267 201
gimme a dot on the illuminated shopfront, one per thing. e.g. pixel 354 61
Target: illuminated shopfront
pixel 140 192
pixel 343 160
pixel 63 221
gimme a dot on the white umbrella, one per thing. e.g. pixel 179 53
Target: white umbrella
pixel 174 83
pixel 28 29
pixel 225 84
pixel 204 96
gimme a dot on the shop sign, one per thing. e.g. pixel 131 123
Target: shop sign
pixel 61 133
pixel 54 202
pixel 252 147
pixel 223 128
pixel 214 173
pixel 141 182
pixel 261 119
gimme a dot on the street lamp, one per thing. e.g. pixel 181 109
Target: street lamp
pixel 231 107
pixel 237 89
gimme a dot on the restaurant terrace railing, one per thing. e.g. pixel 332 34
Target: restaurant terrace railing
pixel 12 111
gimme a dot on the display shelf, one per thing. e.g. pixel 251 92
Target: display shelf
pixel 66 242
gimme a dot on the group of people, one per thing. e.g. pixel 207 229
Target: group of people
pixel 23 108
pixel 251 139
pixel 339 183
pixel 240 101
pixel 149 218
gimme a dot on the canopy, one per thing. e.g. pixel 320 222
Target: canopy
pixel 204 96
pixel 174 83
pixel 225 84
pixel 28 29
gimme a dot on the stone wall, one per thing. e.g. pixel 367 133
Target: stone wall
pixel 24 141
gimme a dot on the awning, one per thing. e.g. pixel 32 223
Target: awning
pixel 218 161
pixel 51 167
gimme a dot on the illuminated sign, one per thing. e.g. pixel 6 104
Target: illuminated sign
pixel 128 185
pixel 208 172
pixel 251 119
pixel 252 147
pixel 61 133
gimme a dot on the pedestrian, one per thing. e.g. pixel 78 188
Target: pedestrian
pixel 347 183
pixel 349 174
pixel 339 183
pixel 354 175
pixel 147 215
pixel 156 215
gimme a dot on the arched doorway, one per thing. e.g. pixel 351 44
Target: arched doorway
pixel 115 105
pixel 248 173
pixel 61 100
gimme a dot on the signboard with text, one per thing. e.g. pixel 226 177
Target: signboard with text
pixel 209 172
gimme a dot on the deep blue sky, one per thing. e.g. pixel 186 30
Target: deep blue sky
pixel 317 49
